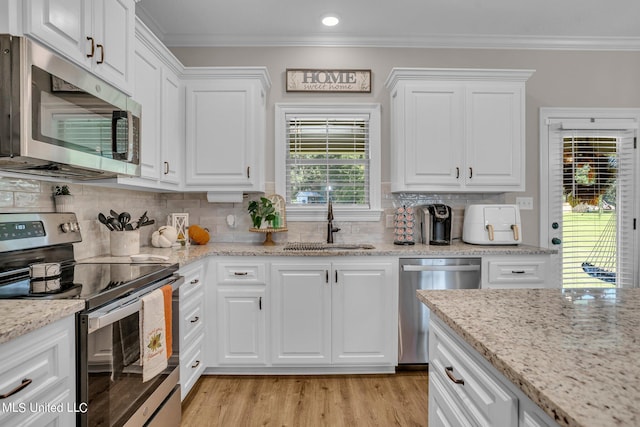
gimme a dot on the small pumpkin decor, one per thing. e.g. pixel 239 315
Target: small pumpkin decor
pixel 164 237
pixel 199 235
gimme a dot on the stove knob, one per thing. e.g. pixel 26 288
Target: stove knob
pixel 75 227
pixel 65 227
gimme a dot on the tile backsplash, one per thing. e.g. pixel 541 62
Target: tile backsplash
pixel 32 195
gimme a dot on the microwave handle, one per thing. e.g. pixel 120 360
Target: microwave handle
pixel 116 116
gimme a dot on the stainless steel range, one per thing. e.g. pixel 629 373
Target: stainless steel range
pixel 38 262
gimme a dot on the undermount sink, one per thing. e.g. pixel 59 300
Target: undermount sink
pixel 321 246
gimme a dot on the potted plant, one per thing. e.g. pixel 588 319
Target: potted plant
pixel 62 198
pixel 261 211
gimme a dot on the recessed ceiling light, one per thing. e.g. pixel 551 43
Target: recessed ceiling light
pixel 330 20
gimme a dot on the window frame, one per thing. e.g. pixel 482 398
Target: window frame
pixel 341 213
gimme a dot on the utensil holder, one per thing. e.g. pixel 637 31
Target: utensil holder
pixel 125 243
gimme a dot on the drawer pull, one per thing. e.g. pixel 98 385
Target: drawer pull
pixel 25 382
pixel 195 365
pixel 518 272
pixel 240 273
pixel 194 281
pixel 195 319
pixel 449 371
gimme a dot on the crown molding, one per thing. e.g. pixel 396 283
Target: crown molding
pixel 453 41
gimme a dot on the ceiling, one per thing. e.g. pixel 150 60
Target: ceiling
pixel 542 24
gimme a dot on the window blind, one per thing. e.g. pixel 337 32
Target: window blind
pixel 327 158
pixel 594 186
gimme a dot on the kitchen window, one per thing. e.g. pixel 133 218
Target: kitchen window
pixel 329 152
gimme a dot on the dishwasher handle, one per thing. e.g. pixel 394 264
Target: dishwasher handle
pixel 413 267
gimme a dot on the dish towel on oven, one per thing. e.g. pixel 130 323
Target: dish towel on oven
pixel 153 346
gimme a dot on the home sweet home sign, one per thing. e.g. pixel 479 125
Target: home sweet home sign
pixel 308 80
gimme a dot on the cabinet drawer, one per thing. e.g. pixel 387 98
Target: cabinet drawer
pixel 239 273
pixel 192 320
pixel 191 366
pixel 193 283
pixel 46 358
pixel 487 401
pixel 509 272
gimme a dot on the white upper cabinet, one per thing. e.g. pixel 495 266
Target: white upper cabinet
pixel 457 130
pixel 225 129
pixel 96 34
pixel 158 88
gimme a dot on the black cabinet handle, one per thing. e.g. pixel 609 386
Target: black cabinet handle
pixel 93 47
pixel 166 168
pixel 195 365
pixel 260 303
pixel 248 172
pixel 336 276
pixel 470 173
pixel 326 276
pixel 101 47
pixel 457 173
pixel 25 382
pixel 195 319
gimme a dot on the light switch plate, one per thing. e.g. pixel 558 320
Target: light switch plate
pixel 525 203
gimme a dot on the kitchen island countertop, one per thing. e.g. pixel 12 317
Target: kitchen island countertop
pixel 572 352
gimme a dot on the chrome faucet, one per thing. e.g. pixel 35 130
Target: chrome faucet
pixel 330 228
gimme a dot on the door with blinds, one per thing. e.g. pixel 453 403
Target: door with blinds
pixel 591 200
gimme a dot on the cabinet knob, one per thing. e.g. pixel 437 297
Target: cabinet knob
pixel 555 225
pixel 556 241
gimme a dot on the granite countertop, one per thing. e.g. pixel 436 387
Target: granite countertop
pixel 186 255
pixel 573 352
pixel 23 316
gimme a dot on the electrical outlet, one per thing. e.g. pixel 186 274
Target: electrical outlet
pixel 389 221
pixel 525 203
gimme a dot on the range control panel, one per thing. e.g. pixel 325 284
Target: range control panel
pixel 33 230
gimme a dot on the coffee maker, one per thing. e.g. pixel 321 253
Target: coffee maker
pixel 439 223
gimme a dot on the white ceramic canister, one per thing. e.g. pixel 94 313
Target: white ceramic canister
pixel 125 243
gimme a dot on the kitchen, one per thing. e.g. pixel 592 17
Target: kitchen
pixel 561 79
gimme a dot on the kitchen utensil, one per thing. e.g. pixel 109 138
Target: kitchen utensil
pixel 114 213
pixel 103 219
pixel 115 224
pixel 124 218
pixel 128 227
pixel 142 219
pixel 148 222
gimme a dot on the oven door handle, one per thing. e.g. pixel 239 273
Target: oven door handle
pixel 100 319
pixel 440 268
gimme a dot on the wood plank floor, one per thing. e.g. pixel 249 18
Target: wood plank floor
pixel 308 401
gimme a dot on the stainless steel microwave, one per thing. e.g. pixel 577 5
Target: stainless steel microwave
pixel 58 119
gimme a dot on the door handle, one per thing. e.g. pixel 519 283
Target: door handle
pixel 93 47
pixel 449 371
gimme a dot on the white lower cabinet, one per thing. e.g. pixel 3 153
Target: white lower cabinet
pixel 241 302
pixel 334 313
pixel 465 390
pixel 44 360
pixel 191 320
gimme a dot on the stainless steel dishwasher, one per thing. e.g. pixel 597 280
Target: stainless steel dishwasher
pixel 413 321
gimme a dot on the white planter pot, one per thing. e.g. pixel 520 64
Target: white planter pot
pixel 64 203
pixel 125 243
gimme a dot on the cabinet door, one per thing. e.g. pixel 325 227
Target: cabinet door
pixel 241 326
pixel 494 137
pixel 62 25
pixel 433 132
pixel 223 137
pixel 301 314
pixel 113 29
pixel 147 90
pixel 363 311
pixel 172 128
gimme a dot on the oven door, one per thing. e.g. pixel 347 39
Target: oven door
pixel 110 384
